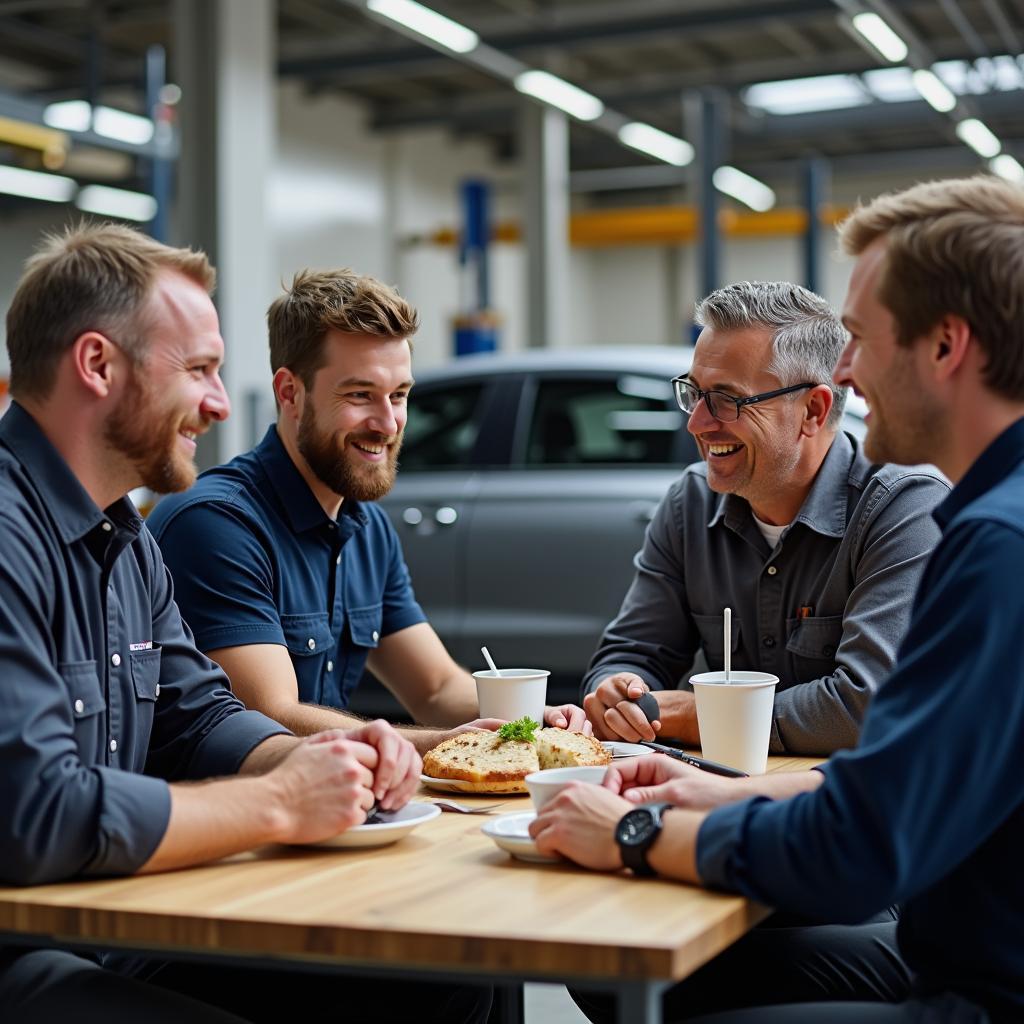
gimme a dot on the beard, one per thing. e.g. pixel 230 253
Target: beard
pixel 335 468
pixel 147 435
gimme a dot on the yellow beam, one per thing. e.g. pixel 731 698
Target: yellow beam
pixel 53 144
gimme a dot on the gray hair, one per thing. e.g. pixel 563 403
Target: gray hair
pixel 807 335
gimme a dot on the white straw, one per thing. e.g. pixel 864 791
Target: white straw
pixel 490 661
pixel 728 642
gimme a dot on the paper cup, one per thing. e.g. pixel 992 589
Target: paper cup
pixel 549 782
pixel 515 693
pixel 735 718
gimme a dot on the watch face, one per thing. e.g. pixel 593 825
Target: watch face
pixel 636 827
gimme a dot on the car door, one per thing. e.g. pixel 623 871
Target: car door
pixel 552 538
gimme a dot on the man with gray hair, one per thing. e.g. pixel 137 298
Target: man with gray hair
pixel 785 521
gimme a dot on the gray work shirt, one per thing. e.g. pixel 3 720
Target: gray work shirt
pixel 825 610
pixel 103 696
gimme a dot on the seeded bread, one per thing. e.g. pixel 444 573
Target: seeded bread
pixel 483 763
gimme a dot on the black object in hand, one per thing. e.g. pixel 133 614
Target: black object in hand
pixel 648 705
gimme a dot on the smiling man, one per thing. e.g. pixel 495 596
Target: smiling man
pixel 291 578
pixel 786 521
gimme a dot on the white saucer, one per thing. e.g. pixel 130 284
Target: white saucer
pixel 458 786
pixel 512 833
pixel 397 825
pixel 619 748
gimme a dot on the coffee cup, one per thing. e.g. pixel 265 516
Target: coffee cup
pixel 735 717
pixel 512 693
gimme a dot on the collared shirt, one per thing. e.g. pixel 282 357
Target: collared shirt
pixel 928 811
pixel 256 560
pixel 824 610
pixel 103 696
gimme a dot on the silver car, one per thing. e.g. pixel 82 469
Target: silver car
pixel 525 485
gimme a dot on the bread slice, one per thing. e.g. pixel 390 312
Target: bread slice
pixel 483 763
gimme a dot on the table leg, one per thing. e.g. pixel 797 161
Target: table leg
pixel 638 1002
pixel 508 1004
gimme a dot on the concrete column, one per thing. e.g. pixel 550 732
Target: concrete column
pixel 545 162
pixel 815 192
pixel 704 116
pixel 225 56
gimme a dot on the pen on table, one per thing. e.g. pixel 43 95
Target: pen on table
pixel 698 762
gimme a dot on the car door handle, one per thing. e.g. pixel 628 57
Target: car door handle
pixel 446 515
pixel 643 511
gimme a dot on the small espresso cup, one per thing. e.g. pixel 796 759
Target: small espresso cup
pixel 549 782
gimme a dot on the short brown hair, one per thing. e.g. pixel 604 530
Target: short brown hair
pixel 953 247
pixel 319 301
pixel 90 277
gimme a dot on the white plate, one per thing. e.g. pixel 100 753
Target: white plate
pixel 511 833
pixel 458 786
pixel 398 825
pixel 619 748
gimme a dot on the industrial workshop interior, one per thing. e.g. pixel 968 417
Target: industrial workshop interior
pixel 504 507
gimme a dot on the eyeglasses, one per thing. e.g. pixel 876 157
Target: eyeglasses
pixel 724 408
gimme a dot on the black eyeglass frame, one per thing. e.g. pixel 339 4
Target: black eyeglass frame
pixel 737 402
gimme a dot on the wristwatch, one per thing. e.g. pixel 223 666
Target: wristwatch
pixel 636 833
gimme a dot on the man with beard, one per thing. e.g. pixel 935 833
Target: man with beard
pixel 109 715
pixel 786 521
pixel 289 575
pixel 928 810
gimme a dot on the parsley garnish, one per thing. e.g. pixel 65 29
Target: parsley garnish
pixel 521 730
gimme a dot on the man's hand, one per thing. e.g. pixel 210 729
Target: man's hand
pixel 569 717
pixel 643 780
pixel 323 787
pixel 612 713
pixel 398 764
pixel 579 823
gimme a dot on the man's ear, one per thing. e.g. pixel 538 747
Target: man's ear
pixel 96 362
pixel 948 346
pixel 817 406
pixel 289 392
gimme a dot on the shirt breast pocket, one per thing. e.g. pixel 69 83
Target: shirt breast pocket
pixel 813 643
pixel 364 637
pixel 309 642
pixel 86 699
pixel 712 639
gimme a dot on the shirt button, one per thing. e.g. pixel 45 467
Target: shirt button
pixel 772 570
pixel 376 636
pixel 158 689
pixel 337 561
pixel 113 746
pixel 79 706
pixel 311 644
pixel 768 641
pixel 330 666
pixel 106 526
pixel 115 659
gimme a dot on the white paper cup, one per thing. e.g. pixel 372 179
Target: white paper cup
pixel 516 693
pixel 547 783
pixel 735 718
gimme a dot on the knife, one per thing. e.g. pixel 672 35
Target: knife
pixel 698 762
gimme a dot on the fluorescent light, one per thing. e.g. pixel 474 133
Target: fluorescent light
pixel 427 23
pixel 119 124
pixel 71 115
pixel 934 90
pixel 117 202
pixel 891 85
pixel 976 135
pixel 803 95
pixel 560 93
pixel 880 36
pixel 656 143
pixel 34 185
pixel 1006 167
pixel 755 194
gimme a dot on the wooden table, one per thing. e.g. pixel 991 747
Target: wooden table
pixel 443 902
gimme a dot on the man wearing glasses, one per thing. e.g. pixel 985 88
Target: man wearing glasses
pixel 785 521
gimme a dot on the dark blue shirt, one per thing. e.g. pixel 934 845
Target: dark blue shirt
pixel 928 811
pixel 103 695
pixel 256 560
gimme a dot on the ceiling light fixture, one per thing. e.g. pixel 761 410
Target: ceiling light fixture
pixel 934 90
pixel 116 202
pixel 656 143
pixel 755 194
pixel 977 135
pixel 804 95
pixel 426 22
pixel 80 116
pixel 53 188
pixel 559 93
pixel 880 36
pixel 1007 167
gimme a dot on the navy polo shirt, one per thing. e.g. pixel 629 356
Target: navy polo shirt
pixel 256 560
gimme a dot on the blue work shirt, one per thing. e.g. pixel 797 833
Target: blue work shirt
pixel 928 811
pixel 256 560
pixel 103 695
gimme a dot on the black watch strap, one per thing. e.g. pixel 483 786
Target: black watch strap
pixel 634 854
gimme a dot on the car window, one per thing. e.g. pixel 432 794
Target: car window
pixel 442 427
pixel 602 421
